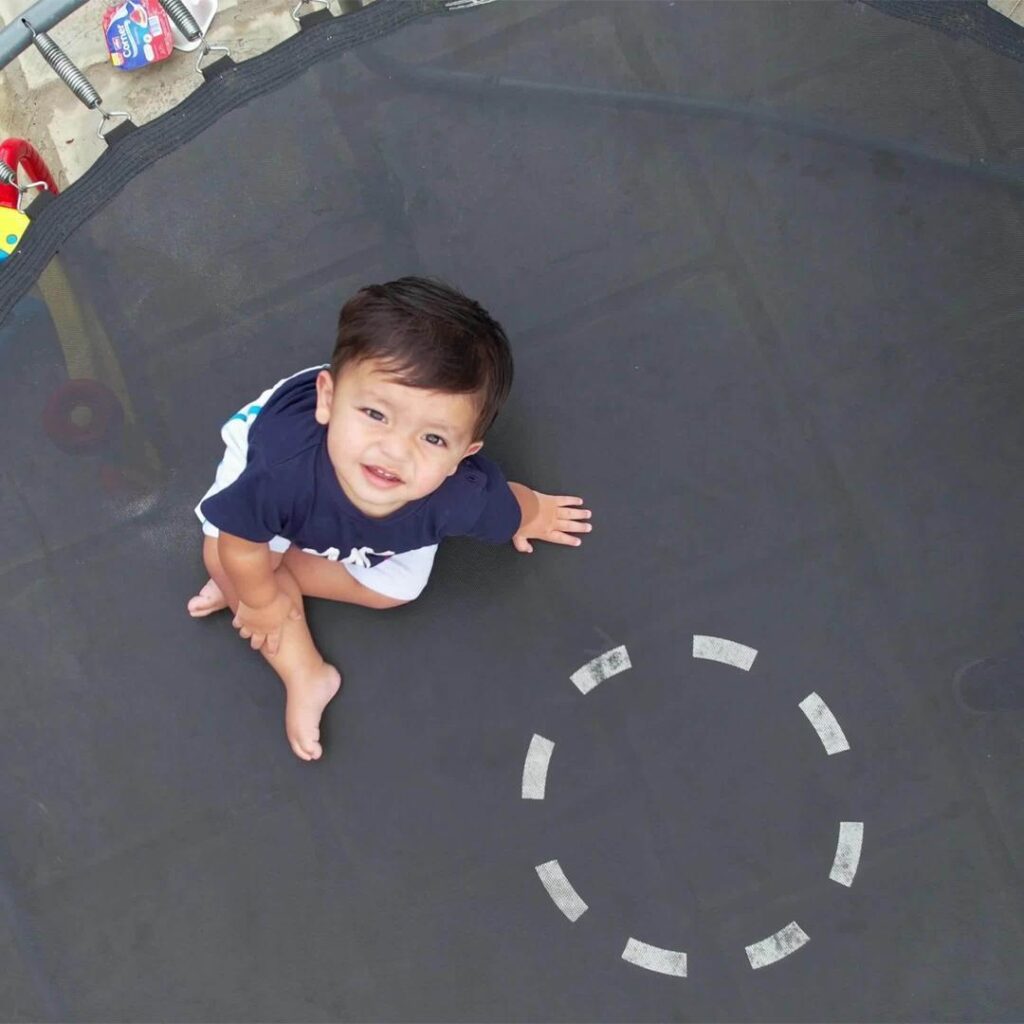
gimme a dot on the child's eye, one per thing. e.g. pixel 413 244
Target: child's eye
pixel 437 442
pixel 374 414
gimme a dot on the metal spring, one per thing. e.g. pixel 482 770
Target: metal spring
pixel 182 18
pixel 7 175
pixel 61 64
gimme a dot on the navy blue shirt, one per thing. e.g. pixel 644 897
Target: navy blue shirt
pixel 289 489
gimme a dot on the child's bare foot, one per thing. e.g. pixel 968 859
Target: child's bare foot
pixel 307 698
pixel 209 600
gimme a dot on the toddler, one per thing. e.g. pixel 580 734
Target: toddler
pixel 340 481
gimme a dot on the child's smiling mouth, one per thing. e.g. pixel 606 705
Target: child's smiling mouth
pixel 380 477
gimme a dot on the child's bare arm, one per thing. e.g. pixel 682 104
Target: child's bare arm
pixel 263 607
pixel 554 518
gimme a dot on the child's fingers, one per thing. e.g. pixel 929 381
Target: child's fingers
pixel 567 500
pixel 573 526
pixel 574 513
pixel 557 537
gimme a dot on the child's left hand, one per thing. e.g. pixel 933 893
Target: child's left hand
pixel 554 518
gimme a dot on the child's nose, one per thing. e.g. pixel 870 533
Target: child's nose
pixel 395 449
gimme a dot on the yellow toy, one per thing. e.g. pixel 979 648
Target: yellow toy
pixel 12 227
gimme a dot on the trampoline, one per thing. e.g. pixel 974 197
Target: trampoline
pixel 761 267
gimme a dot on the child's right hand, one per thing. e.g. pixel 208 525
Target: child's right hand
pixel 262 626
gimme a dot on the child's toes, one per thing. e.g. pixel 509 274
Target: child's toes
pixel 307 746
pixel 210 599
pixel 299 751
pixel 312 745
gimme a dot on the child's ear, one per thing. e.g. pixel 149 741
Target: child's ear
pixel 471 450
pixel 324 397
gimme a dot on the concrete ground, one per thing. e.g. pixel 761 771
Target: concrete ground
pixel 34 104
pixel 1013 9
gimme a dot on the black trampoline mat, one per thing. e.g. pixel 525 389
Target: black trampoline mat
pixel 774 345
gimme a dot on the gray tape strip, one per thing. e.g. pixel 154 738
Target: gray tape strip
pixel 597 671
pixel 728 652
pixel 535 769
pixel 653 958
pixel 825 724
pixel 785 941
pixel 847 859
pixel 560 889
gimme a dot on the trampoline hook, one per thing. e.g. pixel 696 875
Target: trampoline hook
pixel 187 25
pixel 302 3
pixel 9 177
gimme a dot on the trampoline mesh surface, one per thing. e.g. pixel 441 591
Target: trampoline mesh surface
pixel 774 345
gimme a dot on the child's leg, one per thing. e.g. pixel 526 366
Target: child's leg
pixel 309 681
pixel 320 577
pixel 211 598
pixel 316 576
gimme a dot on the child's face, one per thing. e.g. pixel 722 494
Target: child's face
pixel 391 444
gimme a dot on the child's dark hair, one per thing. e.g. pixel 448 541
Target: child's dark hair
pixel 429 336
